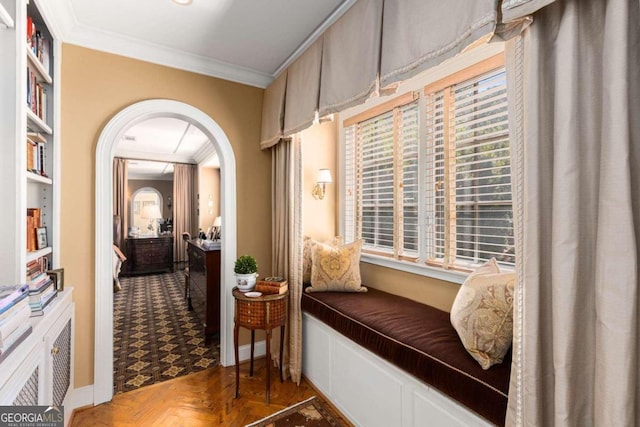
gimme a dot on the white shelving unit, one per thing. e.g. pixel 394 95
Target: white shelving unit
pixel 40 369
pixel 22 189
pixel 6 21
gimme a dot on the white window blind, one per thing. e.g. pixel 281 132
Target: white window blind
pixel 430 180
pixel 381 178
pixel 469 183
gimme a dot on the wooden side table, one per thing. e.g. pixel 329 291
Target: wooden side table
pixel 264 312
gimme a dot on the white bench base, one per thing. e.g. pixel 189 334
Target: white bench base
pixel 370 391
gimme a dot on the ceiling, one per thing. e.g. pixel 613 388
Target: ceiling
pixel 161 142
pixel 247 41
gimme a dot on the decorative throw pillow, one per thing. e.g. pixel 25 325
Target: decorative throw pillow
pixel 336 268
pixel 307 250
pixel 482 314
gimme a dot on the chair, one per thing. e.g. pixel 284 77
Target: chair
pixel 186 237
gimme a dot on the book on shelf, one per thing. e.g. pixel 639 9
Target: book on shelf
pixel 39 310
pixel 10 294
pixel 19 316
pixel 36 152
pixel 14 340
pixel 40 286
pixel 33 223
pixel 8 311
pixel 38 295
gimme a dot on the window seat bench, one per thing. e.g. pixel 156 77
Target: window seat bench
pixel 404 334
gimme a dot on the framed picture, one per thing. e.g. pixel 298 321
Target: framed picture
pixel 57 276
pixel 41 237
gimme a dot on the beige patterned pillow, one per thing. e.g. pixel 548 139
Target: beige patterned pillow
pixel 336 268
pixel 482 314
pixel 307 250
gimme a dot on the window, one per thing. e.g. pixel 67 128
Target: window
pixel 429 179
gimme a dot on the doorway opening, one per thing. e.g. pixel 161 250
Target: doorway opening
pixel 113 132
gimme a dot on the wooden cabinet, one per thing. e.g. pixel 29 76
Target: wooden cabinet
pixel 204 286
pixel 149 255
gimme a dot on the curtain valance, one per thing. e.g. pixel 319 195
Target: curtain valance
pixel 418 34
pixel 377 43
pixel 351 57
pixel 303 90
pixel 273 112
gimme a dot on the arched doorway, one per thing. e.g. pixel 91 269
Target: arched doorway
pixel 111 134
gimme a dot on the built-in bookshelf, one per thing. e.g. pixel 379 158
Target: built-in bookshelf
pixel 36 366
pixel 5 19
pixel 29 137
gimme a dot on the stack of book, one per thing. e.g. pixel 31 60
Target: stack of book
pixel 272 286
pixel 14 316
pixel 41 287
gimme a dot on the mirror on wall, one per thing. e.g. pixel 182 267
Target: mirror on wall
pixel 146 210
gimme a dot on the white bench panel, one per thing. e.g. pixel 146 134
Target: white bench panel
pixel 370 391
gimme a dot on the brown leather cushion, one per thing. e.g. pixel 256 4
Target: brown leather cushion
pixel 418 339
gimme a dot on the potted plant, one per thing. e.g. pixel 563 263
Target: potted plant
pixel 246 269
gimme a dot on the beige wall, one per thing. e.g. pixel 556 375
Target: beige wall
pixel 164 187
pixel 320 145
pixel 208 184
pixel 95 87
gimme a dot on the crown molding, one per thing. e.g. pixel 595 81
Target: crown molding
pixel 61 18
pixel 335 15
pixel 64 25
pixel 204 153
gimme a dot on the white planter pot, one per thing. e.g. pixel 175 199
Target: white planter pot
pixel 246 282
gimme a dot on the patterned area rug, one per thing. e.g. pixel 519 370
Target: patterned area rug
pixel 155 337
pixel 310 413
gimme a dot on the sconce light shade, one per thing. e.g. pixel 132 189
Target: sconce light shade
pixel 324 178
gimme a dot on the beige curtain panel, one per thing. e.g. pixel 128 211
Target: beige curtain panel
pixel 120 195
pixel 517 9
pixel 185 207
pixel 303 90
pixel 286 176
pixel 273 112
pixel 350 57
pixel 419 34
pixel 577 150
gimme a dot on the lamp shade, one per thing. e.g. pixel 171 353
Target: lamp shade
pixel 217 222
pixel 152 212
pixel 324 176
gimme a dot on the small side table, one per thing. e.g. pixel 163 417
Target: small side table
pixel 264 312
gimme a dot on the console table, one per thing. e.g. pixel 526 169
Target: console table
pixel 263 312
pixel 204 286
pixel 149 254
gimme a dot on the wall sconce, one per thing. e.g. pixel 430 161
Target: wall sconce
pixel 324 178
pixel 169 202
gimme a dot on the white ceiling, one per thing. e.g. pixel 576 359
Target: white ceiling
pixel 247 41
pixel 164 140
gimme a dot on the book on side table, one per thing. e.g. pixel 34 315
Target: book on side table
pixel 272 286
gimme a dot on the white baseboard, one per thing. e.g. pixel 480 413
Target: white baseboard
pixel 82 396
pixel 244 351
